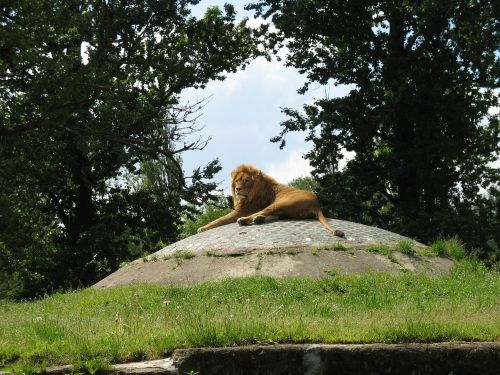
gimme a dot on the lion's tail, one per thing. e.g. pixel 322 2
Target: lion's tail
pixel 327 225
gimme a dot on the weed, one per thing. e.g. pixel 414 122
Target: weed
pixel 211 253
pixel 282 251
pixel 392 257
pixel 315 251
pixel 275 252
pixel 384 250
pixel 151 258
pixel 258 266
pixel 406 247
pixel 292 251
pixel 92 366
pixel 181 256
pixel 339 246
pixel 451 248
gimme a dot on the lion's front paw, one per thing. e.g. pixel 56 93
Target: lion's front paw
pixel 201 229
pixel 259 219
pixel 244 220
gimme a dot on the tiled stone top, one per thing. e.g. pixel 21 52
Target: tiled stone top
pixel 283 233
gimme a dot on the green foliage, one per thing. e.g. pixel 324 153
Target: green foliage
pixel 305 183
pixel 91 145
pixel 92 366
pixel 144 321
pixel 209 212
pixel 421 77
pixel 180 256
pixel 452 248
pixel 405 247
pixel 384 250
pixel 339 246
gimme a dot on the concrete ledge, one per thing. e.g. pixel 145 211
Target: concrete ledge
pixel 441 358
pixel 414 358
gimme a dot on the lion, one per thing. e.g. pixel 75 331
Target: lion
pixel 259 198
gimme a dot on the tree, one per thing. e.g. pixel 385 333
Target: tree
pixel 208 213
pixel 423 76
pixel 89 96
pixel 305 183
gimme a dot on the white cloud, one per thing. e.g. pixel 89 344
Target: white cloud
pixel 296 166
pixel 293 167
pixel 495 164
pixel 84 52
pixel 269 77
pixel 348 155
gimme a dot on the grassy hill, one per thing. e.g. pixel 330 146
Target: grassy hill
pixel 92 328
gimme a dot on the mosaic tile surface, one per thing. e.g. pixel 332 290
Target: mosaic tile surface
pixel 283 233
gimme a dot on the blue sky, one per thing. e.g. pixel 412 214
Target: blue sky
pixel 245 112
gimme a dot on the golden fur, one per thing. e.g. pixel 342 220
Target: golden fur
pixel 259 198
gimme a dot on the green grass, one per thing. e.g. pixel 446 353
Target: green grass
pixel 211 253
pixel 451 248
pixel 405 247
pixel 338 246
pixel 292 251
pixel 179 256
pixel 92 328
pixel 384 250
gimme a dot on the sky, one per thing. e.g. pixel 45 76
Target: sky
pixel 244 113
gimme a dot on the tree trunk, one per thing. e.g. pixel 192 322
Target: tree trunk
pixel 84 210
pixel 404 153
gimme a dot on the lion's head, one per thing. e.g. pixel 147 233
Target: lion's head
pixel 249 186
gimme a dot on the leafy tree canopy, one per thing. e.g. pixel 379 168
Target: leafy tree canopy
pixel 305 183
pixel 92 129
pixel 424 75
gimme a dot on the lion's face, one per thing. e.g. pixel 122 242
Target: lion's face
pixel 243 187
pixel 245 184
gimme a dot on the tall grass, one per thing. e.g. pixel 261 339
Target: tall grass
pixel 147 321
pixel 452 248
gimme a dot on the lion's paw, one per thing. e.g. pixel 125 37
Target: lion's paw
pixel 259 219
pixel 244 221
pixel 201 229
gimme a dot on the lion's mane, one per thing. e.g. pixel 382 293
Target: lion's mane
pixel 263 190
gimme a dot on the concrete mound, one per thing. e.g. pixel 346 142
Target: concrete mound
pixel 282 248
